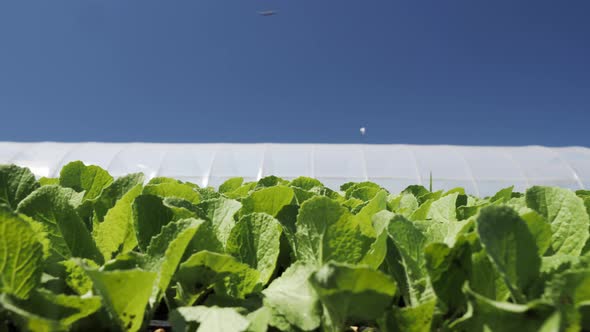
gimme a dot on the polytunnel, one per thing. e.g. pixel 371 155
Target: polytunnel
pixel 481 170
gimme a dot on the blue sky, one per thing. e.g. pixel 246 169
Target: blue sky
pixel 499 72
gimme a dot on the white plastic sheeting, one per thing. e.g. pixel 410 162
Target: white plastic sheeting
pixel 480 170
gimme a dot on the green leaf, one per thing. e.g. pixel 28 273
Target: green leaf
pixel 45 181
pixel 305 183
pixel 208 193
pixel 327 192
pixel 280 323
pixel 445 232
pixel 302 195
pixel 251 303
pixel 457 190
pixel 420 192
pixel 509 243
pixel 220 211
pixel 587 203
pixel 351 294
pixel 270 181
pixel 182 209
pixel 125 294
pixel 231 184
pixel 489 315
pixel 256 241
pixel 149 216
pixel 421 213
pixel 208 319
pixel 466 212
pixel 344 187
pixel 69 237
pixel 378 250
pixel 166 251
pixel 584 312
pixel 292 297
pixel 484 277
pixel 89 179
pixel 410 243
pixel 162 179
pixel 539 227
pixel 504 195
pixel 439 208
pixel 364 216
pixel 16 183
pixel 242 191
pixel 568 290
pixel 128 261
pixel 404 204
pixel 173 189
pixel 363 193
pixel 361 190
pixel 444 209
pixel 116 233
pixel 21 255
pixel 259 319
pixel 432 195
pixel 555 264
pixel 410 319
pixel 46 311
pixel 449 268
pixel 327 231
pixel 352 203
pixel 76 277
pixel 567 215
pixel 268 200
pixel 114 192
pixel 207 270
pixel 206 238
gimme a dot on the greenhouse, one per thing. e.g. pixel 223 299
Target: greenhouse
pixel 481 170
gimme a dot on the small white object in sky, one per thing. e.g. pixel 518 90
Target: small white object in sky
pixel 268 12
pixel 363 130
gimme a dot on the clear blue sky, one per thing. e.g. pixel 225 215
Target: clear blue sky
pixel 426 72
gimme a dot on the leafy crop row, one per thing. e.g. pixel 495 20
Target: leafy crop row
pixel 89 252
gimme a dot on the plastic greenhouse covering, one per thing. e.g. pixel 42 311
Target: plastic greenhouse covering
pixel 480 170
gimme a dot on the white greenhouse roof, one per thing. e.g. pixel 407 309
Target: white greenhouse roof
pixel 480 170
